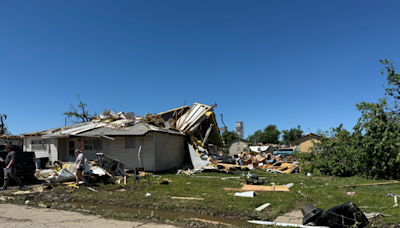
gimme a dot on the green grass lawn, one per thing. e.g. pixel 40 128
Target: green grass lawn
pixel 322 193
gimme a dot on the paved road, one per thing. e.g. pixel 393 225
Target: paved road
pixel 14 216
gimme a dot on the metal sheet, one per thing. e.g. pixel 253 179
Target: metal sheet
pixel 197 161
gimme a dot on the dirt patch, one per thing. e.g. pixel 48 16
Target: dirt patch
pixel 299 205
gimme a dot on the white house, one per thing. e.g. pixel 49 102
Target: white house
pixel 141 145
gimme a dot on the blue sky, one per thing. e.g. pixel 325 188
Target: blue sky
pixel 287 63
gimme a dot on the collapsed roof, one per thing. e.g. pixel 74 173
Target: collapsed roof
pixel 198 121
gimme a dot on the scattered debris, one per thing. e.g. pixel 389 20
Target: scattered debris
pixel 148 194
pixel 350 193
pixel 6 198
pixel 245 194
pixel 91 189
pixel 43 205
pixel 391 195
pixel 395 202
pixel 23 192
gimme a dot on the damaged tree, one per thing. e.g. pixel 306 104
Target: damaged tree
pixel 3 127
pixel 76 116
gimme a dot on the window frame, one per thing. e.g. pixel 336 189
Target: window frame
pixel 95 144
pixel 38 144
pixel 130 142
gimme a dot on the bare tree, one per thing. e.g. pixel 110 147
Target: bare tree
pixel 80 116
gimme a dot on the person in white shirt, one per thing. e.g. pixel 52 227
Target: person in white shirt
pixel 80 166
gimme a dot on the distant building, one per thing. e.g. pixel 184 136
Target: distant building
pixel 239 129
pixel 304 143
pixel 237 147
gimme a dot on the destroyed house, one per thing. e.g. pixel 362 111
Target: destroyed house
pixel 155 142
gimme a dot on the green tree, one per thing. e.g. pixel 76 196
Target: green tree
pixel 228 137
pixel 80 116
pixel 372 149
pixel 292 134
pixel 393 86
pixel 255 138
pixel 337 157
pixel 270 134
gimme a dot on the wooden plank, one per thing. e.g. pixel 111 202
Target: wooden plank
pixel 357 185
pixel 276 188
pixel 209 221
pixel 235 189
pixel 258 188
pixel 262 207
pixel 58 184
pixel 289 170
pixel 186 198
pixel 321 178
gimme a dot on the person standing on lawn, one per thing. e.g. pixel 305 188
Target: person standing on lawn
pixel 80 166
pixel 11 167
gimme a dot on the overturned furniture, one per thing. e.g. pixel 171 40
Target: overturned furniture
pixel 110 164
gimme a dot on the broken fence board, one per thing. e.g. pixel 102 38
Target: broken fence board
pixel 262 207
pixel 186 198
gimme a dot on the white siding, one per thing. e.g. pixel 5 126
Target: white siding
pixel 160 151
pixel 53 149
pixel 129 156
pixel 170 151
pixel 28 147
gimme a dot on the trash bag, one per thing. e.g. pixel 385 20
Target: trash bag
pixel 342 216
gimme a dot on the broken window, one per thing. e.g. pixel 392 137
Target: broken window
pixel 238 149
pixel 39 144
pixel 238 143
pixel 92 144
pixel 129 142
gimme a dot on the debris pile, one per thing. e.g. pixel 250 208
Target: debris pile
pixel 104 166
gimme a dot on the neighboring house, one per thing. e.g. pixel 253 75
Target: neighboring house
pixel 14 140
pixel 304 143
pixel 237 147
pixel 141 145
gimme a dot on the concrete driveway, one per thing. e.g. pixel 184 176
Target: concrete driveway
pixel 14 216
